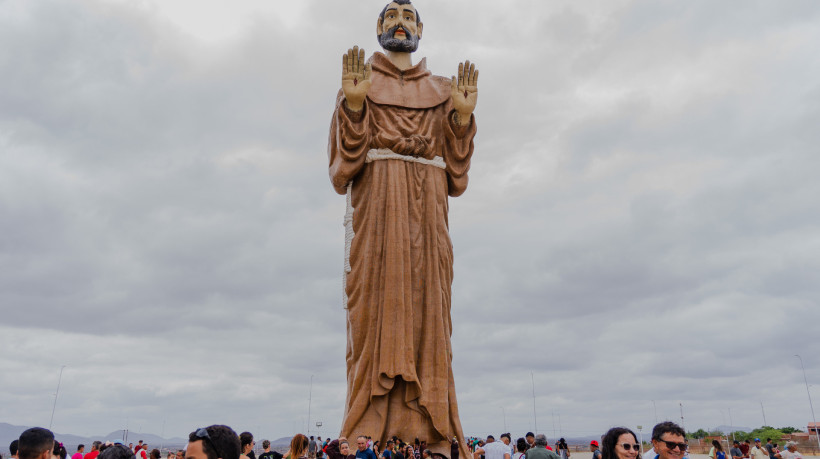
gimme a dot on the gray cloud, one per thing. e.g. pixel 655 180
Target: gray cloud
pixel 640 224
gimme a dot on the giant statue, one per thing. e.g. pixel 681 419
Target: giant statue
pixel 400 145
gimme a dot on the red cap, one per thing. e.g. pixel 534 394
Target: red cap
pixel 593 443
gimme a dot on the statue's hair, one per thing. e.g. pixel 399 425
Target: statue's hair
pixel 400 2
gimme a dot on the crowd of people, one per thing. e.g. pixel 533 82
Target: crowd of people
pixel 222 442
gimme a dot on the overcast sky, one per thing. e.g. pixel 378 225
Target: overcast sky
pixel 642 221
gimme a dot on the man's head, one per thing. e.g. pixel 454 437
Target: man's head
pixel 265 444
pixel 80 448
pixel 35 443
pixel 361 442
pixel 505 437
pixel 118 451
pixel 768 440
pixel 426 454
pixel 530 438
pixel 213 442
pixel 399 27
pixel 490 439
pixel 736 443
pixel 791 446
pixel 593 445
pixel 668 440
pixel 541 440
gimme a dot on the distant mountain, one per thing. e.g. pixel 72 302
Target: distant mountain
pixel 9 433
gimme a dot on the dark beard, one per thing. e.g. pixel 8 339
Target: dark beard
pixel 408 45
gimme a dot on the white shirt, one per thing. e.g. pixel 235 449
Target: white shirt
pixel 786 454
pixel 497 450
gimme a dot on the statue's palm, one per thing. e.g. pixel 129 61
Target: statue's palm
pixel 464 88
pixel 355 77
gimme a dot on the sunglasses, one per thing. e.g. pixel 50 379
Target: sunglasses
pixel 628 446
pixel 672 445
pixel 203 434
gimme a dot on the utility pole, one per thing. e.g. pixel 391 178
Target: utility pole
pixel 56 394
pixel 681 417
pixel 504 413
pixel 534 416
pixel 816 433
pixel 310 398
pixel 655 407
pixel 732 424
pixel 764 413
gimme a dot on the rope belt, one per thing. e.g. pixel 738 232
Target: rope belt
pixel 374 154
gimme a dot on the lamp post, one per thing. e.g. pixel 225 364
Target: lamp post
pixel 816 434
pixel 56 394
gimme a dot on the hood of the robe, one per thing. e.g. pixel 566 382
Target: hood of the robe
pixel 415 87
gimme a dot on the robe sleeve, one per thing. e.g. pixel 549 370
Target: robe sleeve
pixel 457 151
pixel 348 143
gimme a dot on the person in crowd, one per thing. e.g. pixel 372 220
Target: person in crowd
pixel 790 452
pixel 95 450
pixel 563 448
pixel 426 454
pixel 138 447
pixel 757 451
pixel 246 445
pixel 79 453
pixel 171 455
pixel 213 442
pixel 539 449
pixel 530 440
pixel 668 441
pixel 735 451
pixel 388 450
pixel 744 448
pixel 520 448
pixel 620 443
pixel 770 449
pixel 312 447
pixel 596 452
pixel 362 451
pixel 180 454
pixel 35 443
pixel 59 451
pixel 268 454
pixel 339 449
pixel 154 454
pixel 299 445
pixel 408 452
pixel 719 453
pixel 492 450
pixel 13 449
pixel 117 451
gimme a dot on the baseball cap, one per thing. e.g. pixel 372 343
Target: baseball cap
pixel 757 439
pixel 593 443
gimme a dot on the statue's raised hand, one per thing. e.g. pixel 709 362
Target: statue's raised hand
pixel 464 91
pixel 355 78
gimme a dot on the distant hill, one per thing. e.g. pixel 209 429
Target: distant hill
pixel 9 433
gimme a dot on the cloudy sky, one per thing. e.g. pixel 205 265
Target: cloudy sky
pixel 642 222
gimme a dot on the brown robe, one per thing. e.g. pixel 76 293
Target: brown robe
pixel 399 375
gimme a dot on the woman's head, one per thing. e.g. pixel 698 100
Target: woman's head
pixel 717 445
pixel 521 445
pixel 298 446
pixel 620 443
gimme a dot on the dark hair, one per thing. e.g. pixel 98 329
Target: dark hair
pixel 507 436
pixel 13 447
pixel 530 434
pixel 490 436
pixel 155 454
pixel 246 438
pixel 521 445
pixel 80 446
pixel 717 445
pixel 666 427
pixel 400 2
pixel 117 452
pixel 611 439
pixel 266 444
pixel 33 442
pixel 224 443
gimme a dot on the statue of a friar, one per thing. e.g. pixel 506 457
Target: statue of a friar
pixel 400 144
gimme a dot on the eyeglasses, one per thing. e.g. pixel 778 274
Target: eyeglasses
pixel 672 445
pixel 203 434
pixel 628 446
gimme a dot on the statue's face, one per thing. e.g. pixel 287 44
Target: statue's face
pixel 399 31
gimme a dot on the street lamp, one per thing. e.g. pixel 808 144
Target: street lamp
pixel 816 433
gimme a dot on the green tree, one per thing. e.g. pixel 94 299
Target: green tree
pixel 789 430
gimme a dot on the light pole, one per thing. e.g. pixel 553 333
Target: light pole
pixel 764 413
pixel 310 397
pixel 534 416
pixel 640 432
pixel 504 413
pixel 655 408
pixel 56 394
pixel 816 433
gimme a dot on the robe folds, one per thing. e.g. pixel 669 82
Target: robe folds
pixel 399 375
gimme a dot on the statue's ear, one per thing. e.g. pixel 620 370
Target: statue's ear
pixel 379 27
pixel 420 27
